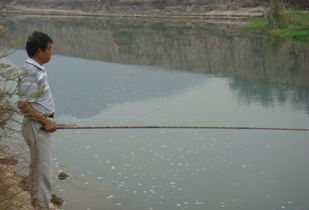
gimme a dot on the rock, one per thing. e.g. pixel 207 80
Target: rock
pixel 63 176
pixel 57 200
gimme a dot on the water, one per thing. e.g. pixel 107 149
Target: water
pixel 150 73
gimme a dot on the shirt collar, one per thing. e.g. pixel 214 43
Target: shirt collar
pixel 33 62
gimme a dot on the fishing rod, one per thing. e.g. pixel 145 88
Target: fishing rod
pixel 180 127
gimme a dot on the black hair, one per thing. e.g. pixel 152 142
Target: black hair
pixel 37 40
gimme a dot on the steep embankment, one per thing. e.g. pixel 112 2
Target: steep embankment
pixel 150 8
pixel 135 4
pixel 234 9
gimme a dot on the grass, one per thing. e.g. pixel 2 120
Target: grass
pixel 257 24
pixel 296 26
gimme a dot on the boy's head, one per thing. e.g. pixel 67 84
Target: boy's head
pixel 39 46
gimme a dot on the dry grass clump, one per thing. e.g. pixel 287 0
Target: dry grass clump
pixel 14 188
pixel 12 196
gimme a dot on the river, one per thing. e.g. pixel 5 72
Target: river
pixel 116 71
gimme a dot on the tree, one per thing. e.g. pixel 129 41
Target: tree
pixel 12 194
pixel 8 90
pixel 275 15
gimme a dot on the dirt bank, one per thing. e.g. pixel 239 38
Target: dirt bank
pixel 14 187
pixel 237 14
pixel 13 196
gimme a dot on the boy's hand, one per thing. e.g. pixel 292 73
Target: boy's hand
pixel 29 111
pixel 49 126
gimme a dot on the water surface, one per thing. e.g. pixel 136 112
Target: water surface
pixel 143 73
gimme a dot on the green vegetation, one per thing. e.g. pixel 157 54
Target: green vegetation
pixel 257 24
pixel 297 28
pixel 294 26
pixel 276 14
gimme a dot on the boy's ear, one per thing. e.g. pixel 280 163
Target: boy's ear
pixel 38 51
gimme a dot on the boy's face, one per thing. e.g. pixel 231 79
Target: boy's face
pixel 45 56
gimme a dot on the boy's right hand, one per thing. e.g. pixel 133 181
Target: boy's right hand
pixel 26 108
pixel 49 126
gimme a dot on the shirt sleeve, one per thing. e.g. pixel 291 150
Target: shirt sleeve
pixel 28 89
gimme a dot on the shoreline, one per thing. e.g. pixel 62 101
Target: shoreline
pixel 239 14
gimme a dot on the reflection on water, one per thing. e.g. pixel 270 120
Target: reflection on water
pixel 268 94
pixel 192 46
pixel 173 169
pixel 103 85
